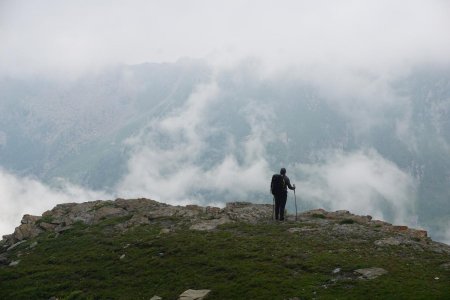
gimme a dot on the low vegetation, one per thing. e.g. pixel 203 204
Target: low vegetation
pixel 235 261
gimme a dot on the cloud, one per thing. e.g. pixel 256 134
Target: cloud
pixel 168 161
pixel 361 181
pixel 443 235
pixel 379 36
pixel 21 196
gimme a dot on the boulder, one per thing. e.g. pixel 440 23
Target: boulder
pixel 138 219
pixel 14 263
pixel 47 226
pixel 15 245
pixel 213 211
pixel 418 233
pixel 29 219
pixel 26 231
pixel 108 212
pixel 370 273
pixel 137 205
pixel 194 294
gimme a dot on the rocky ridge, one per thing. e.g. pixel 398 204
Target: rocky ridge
pixel 134 212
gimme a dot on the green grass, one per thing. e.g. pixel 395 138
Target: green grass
pixel 45 219
pixel 238 261
pixel 318 216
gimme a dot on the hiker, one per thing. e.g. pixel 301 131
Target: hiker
pixel 278 188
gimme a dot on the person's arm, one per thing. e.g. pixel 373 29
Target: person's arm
pixel 288 183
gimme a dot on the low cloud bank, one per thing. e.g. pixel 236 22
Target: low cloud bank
pixel 21 196
pixel 168 159
pixel 168 164
pixel 363 182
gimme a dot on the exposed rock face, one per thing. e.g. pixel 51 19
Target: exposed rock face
pixel 135 212
pixel 26 231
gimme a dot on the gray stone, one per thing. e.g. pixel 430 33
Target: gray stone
pixel 29 219
pixel 108 212
pixel 136 205
pixel 26 231
pixel 156 298
pixel 370 273
pixel 14 263
pixel 33 245
pixel 138 219
pixel 47 226
pixel 15 245
pixel 194 294
pixel 391 241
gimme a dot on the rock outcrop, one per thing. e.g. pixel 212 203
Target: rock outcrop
pixel 134 212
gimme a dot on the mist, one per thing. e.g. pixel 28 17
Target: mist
pixel 379 37
pixel 311 86
pixel 24 195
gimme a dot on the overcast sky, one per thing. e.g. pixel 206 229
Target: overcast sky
pixel 73 36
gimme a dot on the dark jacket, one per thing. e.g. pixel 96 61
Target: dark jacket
pixel 288 183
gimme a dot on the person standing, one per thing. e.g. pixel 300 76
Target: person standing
pixel 278 187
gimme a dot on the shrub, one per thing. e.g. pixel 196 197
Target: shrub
pixel 319 216
pixel 347 221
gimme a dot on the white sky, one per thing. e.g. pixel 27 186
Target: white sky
pixel 72 36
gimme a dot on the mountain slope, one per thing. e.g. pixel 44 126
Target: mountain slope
pixel 135 249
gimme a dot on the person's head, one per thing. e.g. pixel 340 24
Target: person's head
pixel 283 171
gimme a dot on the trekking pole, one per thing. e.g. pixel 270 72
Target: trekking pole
pixel 273 208
pixel 295 198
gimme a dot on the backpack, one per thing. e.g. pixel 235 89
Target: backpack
pixel 278 185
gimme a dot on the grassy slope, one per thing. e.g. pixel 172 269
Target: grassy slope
pixel 238 261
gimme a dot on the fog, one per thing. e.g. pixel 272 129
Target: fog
pixel 352 52
pixel 24 195
pixel 382 37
